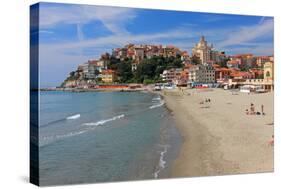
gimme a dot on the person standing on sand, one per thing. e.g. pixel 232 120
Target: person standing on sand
pixel 252 109
pixel 262 110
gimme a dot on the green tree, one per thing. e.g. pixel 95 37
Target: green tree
pixel 124 72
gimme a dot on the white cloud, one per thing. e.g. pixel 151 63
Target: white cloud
pixel 256 49
pixel 113 19
pixel 248 34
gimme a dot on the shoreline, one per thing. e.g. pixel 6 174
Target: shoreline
pixel 217 141
pixel 95 90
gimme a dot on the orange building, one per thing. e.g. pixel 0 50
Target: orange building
pixel 222 73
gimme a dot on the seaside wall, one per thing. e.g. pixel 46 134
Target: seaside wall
pixel 113 86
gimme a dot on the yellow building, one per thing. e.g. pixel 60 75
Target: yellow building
pixel 268 75
pixel 108 76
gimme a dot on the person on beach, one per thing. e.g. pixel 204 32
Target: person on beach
pixel 247 112
pixel 252 109
pixel 262 112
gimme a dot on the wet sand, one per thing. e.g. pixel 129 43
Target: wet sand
pixel 219 138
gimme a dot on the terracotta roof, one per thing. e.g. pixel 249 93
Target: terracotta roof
pixel 222 69
pixel 240 74
pixel 216 66
pixel 93 62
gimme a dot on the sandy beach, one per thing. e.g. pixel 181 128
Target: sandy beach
pixel 219 138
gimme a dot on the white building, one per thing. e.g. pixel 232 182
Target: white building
pixel 202 73
pixel 171 74
pixel 139 52
pixel 84 68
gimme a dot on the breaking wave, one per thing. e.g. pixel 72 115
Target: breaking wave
pixel 162 162
pixel 101 122
pixel 161 103
pixel 76 116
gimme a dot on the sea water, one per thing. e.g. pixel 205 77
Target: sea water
pixel 104 137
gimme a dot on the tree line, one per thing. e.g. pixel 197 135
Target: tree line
pixel 148 70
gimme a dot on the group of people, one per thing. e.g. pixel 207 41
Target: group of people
pixel 207 100
pixel 252 111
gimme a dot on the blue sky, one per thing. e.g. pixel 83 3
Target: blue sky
pixel 72 34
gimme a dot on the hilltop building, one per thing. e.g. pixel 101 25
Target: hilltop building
pixel 139 52
pixel 244 60
pixel 260 60
pixel 203 50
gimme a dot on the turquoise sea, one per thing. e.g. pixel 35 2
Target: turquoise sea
pixel 104 137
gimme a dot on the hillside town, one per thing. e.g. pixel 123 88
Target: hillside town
pixel 205 67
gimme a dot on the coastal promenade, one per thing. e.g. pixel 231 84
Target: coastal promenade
pixel 219 138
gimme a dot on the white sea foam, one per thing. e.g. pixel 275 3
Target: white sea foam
pixel 156 99
pixel 101 122
pixel 48 139
pixel 76 116
pixel 162 162
pixel 161 103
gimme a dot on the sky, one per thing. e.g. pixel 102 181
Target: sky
pixel 71 34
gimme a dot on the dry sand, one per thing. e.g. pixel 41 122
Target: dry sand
pixel 221 139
